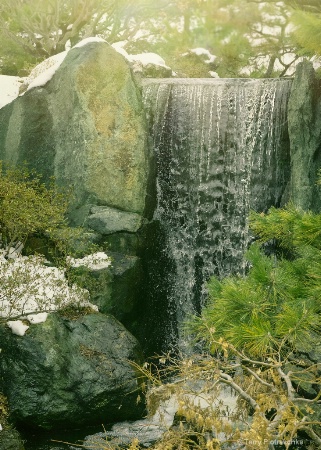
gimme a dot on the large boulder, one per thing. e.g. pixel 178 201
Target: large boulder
pixel 70 370
pixel 86 127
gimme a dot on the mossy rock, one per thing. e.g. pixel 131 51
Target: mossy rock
pixel 70 371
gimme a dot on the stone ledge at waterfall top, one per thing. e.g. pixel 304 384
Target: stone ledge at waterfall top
pixel 70 371
pixel 86 127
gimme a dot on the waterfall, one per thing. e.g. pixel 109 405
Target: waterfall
pixel 221 149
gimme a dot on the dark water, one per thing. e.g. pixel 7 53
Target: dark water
pixel 221 149
pixel 46 440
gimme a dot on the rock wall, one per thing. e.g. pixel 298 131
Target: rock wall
pixel 304 124
pixel 86 127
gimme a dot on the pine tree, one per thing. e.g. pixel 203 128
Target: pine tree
pixel 261 329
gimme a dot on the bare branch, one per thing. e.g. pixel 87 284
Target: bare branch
pixel 227 379
pixel 288 382
pixel 255 375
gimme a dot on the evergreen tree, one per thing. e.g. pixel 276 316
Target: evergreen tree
pixel 278 303
pixel 261 329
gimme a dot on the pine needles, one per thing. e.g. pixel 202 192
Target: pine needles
pixel 278 302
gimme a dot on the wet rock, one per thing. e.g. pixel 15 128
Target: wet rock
pixel 304 123
pixel 107 220
pixel 72 369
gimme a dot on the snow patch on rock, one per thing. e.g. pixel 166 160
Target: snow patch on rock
pixel 42 73
pixel 199 51
pixel 37 318
pixel 17 327
pixel 88 41
pixel 96 261
pixel 140 60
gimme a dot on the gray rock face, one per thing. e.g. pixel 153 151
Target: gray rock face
pixel 107 220
pixel 115 289
pixel 304 122
pixel 86 127
pixel 70 371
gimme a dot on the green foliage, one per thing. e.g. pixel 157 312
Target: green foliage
pixel 33 30
pixel 255 336
pixel 3 408
pixel 292 228
pixel 276 306
pixel 266 409
pixel 32 211
pixel 249 38
pixel 308 32
pixel 28 206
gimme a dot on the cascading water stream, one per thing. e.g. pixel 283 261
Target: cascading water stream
pixel 221 149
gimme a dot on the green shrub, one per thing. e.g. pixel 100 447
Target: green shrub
pixel 28 207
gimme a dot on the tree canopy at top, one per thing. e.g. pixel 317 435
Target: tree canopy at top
pixel 246 37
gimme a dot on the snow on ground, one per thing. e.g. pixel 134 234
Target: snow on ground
pixel 9 88
pixel 30 289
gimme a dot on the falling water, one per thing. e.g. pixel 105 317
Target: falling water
pixel 221 149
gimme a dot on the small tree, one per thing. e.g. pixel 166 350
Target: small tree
pixel 261 328
pixel 33 30
pixel 28 207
